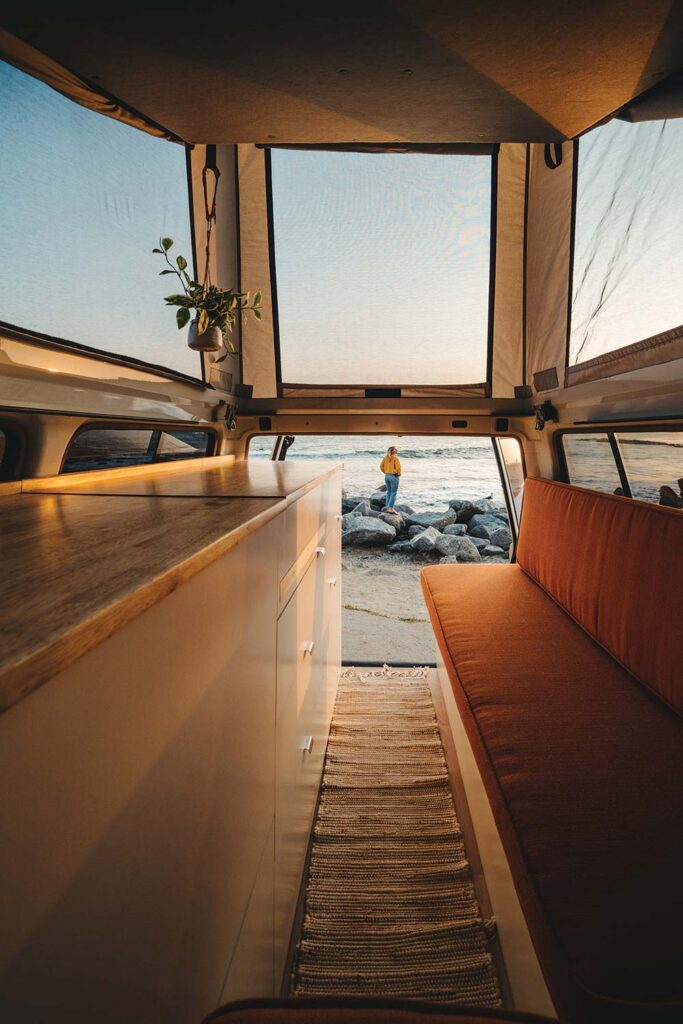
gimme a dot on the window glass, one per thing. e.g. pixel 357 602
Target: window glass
pixel 382 267
pixel 85 200
pixel 590 462
pixel 628 258
pixel 654 465
pixel 512 460
pixel 261 446
pixel 110 448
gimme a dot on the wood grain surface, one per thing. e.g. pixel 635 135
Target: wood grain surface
pixel 75 569
pixel 221 477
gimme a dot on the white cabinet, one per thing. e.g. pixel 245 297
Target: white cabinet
pixel 156 820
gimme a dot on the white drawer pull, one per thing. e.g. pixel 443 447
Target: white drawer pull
pixel 339 518
pixel 332 582
pixel 320 551
pixel 308 648
pixel 306 744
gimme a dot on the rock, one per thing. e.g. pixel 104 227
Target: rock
pixel 501 537
pixel 455 530
pixel 401 547
pixel 425 541
pixel 394 519
pixel 490 550
pixel 379 498
pixel 369 531
pixel 438 520
pixel 456 503
pixel 482 524
pixel 349 503
pixel 414 530
pixel 363 508
pixel 479 542
pixel 461 548
pixel 468 509
pixel 405 509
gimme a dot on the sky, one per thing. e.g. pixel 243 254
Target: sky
pixel 628 263
pixel 382 265
pixel 84 201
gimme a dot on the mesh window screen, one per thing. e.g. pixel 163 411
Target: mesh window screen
pixel 85 200
pixel 628 261
pixel 382 267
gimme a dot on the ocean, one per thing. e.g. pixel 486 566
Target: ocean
pixel 434 469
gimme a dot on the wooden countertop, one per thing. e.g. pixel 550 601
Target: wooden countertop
pixel 80 563
pixel 219 477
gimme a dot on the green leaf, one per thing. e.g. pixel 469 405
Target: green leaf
pixel 166 244
pixel 161 251
pixel 162 272
pixel 182 318
pixel 182 262
pixel 257 314
pixel 257 299
pixel 203 321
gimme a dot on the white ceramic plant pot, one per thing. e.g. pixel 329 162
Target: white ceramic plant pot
pixel 210 340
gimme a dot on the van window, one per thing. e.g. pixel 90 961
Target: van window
pixel 654 465
pixel 85 200
pixel 590 462
pixel 261 446
pixel 114 447
pixel 651 462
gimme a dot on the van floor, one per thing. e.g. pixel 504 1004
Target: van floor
pixel 390 906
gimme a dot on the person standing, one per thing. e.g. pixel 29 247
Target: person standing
pixel 391 467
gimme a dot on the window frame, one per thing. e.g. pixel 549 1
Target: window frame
pixel 157 425
pixel 485 385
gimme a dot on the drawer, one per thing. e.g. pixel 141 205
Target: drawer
pixel 302 522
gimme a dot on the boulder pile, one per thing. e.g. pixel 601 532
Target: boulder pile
pixel 466 531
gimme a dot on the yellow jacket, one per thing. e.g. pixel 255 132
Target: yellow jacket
pixel 390 464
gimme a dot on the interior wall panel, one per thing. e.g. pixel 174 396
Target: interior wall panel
pixel 258 336
pixel 508 312
pixel 548 265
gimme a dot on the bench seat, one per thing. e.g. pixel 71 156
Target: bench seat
pixel 582 765
pixel 334 1010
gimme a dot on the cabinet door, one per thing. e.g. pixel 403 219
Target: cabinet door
pixel 300 683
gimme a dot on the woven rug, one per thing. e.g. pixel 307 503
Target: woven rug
pixel 390 906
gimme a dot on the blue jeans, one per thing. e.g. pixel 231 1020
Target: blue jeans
pixel 391 481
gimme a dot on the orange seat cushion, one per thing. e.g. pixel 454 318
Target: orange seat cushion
pixel 616 566
pixel 583 768
pixel 334 1010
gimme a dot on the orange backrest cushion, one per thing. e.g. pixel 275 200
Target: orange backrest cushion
pixel 616 566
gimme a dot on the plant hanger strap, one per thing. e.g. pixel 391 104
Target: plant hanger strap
pixel 210 193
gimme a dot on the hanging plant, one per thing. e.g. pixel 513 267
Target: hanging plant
pixel 213 306
pixel 216 309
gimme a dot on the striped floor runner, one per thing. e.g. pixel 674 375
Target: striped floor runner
pixel 390 906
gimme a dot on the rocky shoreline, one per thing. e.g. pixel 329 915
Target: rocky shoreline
pixel 466 531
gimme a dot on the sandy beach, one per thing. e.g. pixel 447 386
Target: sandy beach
pixel 384 617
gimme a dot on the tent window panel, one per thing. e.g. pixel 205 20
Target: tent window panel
pixel 590 462
pixel 85 200
pixel 654 466
pixel 628 258
pixel 382 267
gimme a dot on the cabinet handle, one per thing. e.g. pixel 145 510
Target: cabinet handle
pixel 308 648
pixel 306 744
pixel 320 551
pixel 339 518
pixel 332 582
